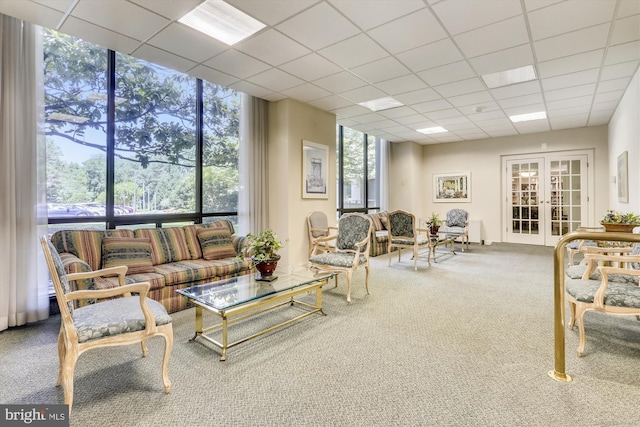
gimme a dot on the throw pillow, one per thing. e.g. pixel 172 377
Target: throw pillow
pixel 216 243
pixel 135 253
pixel 384 219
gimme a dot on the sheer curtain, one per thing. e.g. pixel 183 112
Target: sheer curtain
pixel 384 175
pixel 254 182
pixel 23 286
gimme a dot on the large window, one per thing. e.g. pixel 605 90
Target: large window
pixel 130 142
pixel 359 171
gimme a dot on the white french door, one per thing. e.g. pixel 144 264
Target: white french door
pixel 547 196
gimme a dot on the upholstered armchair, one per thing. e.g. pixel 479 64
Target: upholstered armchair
pixel 457 222
pixel 603 288
pixel 404 234
pixel 351 252
pixel 120 319
pixel 318 226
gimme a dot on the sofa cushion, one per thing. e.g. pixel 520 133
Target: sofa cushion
pixel 377 223
pixel 85 244
pixel 192 238
pixel 167 244
pixel 155 279
pixel 216 243
pixel 190 271
pixel 384 219
pixel 129 251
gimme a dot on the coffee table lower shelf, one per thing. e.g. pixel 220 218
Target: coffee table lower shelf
pixel 253 308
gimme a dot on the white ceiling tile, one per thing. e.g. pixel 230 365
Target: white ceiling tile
pixel 507 59
pixel 251 89
pixel 447 73
pixel 613 85
pixel 368 14
pixel 272 12
pixel 570 103
pixel 443 114
pixel 418 28
pixel 417 96
pixel 628 7
pixel 355 51
pixel 306 92
pixel 276 80
pixel 626 30
pixel 431 106
pixel 122 17
pixel 382 69
pixel 273 97
pixel 571 92
pixel 524 109
pixel 474 14
pixel 487 117
pixel 410 120
pixel 190 43
pixel 599 120
pixel 310 67
pixel 567 122
pixel 272 47
pixel 340 82
pixel 431 55
pixel 213 76
pixel 623 53
pixel 395 113
pixel 492 37
pixel 237 64
pixel 534 126
pixel 608 97
pixel 403 84
pixel 330 103
pixel 362 94
pixel 568 16
pixel 568 110
pixel 99 36
pixel 571 79
pixel 59 5
pixel 170 9
pixel 310 27
pixel 455 122
pixel 164 58
pixel 461 87
pixel 520 89
pixel 33 12
pixel 571 64
pixel 476 98
pixel 626 69
pixel 520 101
pixel 572 43
pixel 606 107
pixel 537 4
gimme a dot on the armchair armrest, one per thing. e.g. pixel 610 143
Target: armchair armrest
pixel 598 299
pixel 596 260
pixel 119 271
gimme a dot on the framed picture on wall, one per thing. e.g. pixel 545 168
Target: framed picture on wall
pixel 452 187
pixel 623 177
pixel 315 170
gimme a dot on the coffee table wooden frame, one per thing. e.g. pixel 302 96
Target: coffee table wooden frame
pixel 255 307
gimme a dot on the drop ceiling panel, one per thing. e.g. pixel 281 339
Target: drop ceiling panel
pixel 427 54
pixel 310 27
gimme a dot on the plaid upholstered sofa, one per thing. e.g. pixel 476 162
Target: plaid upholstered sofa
pixel 168 258
pixel 380 235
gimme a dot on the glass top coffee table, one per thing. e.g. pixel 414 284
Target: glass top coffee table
pixel 240 298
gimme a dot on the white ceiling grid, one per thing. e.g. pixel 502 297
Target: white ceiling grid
pixel 427 54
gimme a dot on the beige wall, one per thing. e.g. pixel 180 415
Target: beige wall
pixel 483 158
pixel 290 122
pixel 624 135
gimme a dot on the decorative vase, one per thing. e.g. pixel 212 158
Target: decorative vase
pixel 434 229
pixel 620 228
pixel 266 268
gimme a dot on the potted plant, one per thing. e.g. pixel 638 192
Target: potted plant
pixel 263 248
pixel 616 221
pixel 434 222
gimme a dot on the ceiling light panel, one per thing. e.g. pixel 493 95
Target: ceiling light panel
pixel 528 117
pixel 435 129
pixel 509 77
pixel 222 21
pixel 381 104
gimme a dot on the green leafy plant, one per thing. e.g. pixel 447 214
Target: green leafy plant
pixel 264 245
pixel 434 220
pixel 615 217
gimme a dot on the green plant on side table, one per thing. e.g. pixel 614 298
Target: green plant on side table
pixel 616 221
pixel 263 248
pixel 434 222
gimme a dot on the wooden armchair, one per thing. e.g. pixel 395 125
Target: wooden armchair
pixel 457 223
pixel 613 291
pixel 318 227
pixel 404 234
pixel 577 246
pixel 352 249
pixel 121 319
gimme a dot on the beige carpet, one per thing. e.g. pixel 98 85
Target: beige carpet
pixel 466 342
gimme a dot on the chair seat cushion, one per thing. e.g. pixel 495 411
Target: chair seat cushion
pixel 451 230
pixel 576 272
pixel 618 294
pixel 337 259
pixel 420 239
pixel 114 317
